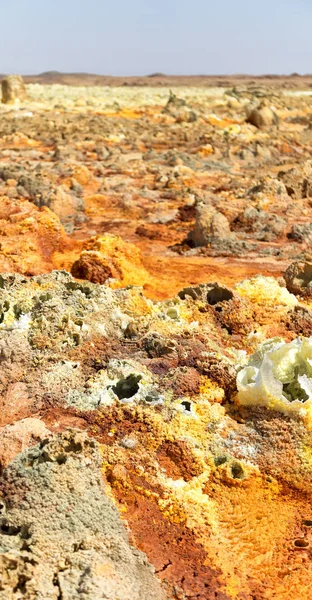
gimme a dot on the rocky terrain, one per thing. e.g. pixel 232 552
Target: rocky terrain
pixel 156 342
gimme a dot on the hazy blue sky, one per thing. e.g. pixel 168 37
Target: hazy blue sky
pixel 127 37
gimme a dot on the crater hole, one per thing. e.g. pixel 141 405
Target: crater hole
pixel 237 471
pixel 307 522
pixel 218 294
pixel 127 387
pixel 301 543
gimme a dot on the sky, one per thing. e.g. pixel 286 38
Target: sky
pixel 139 37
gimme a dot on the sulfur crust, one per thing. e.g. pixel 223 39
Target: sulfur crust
pixel 273 365
pixel 265 290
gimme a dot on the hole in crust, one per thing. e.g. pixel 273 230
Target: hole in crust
pixel 301 543
pixel 127 387
pixel 307 522
pixel 8 529
pixel 218 294
pixel 237 471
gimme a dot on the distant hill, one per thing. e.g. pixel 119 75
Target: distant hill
pixel 160 79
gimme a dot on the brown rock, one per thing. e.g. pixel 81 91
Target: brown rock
pixel 299 320
pixel 13 89
pixel 209 225
pixel 93 267
pixel 235 315
pixel 298 277
pixel 262 116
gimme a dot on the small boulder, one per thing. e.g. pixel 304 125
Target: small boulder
pixel 210 225
pixel 299 320
pixel 13 89
pixel 262 116
pixel 298 277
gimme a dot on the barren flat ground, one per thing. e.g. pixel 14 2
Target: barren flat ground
pixel 155 338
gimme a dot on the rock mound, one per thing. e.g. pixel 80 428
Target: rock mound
pixel 109 257
pixel 61 536
pixel 29 237
pixel 298 277
pixel 210 225
pixel 13 89
pixel 178 108
pixel 262 116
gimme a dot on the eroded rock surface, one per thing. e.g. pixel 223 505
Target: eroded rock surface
pixel 60 535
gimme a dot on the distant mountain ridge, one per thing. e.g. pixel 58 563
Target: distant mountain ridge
pixel 291 81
